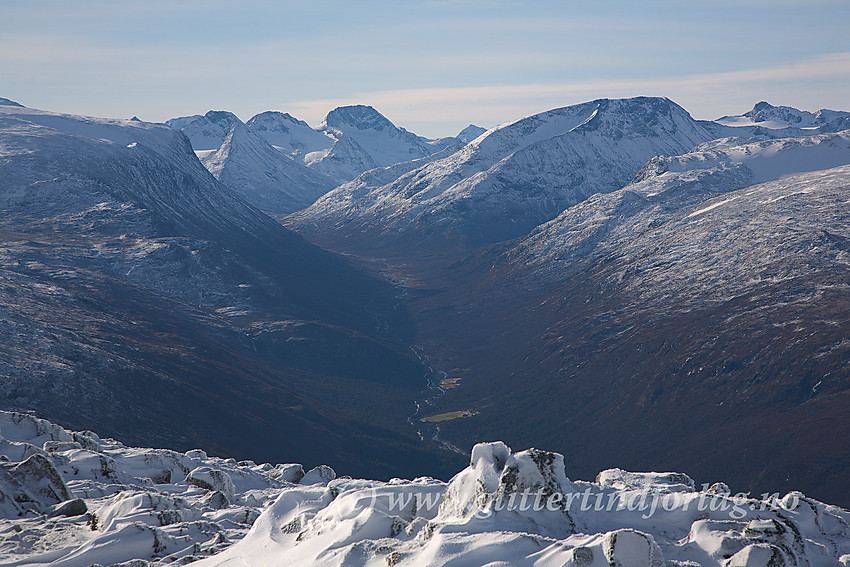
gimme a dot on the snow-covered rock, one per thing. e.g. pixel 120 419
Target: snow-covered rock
pixel 74 506
pixel 505 509
pixel 519 509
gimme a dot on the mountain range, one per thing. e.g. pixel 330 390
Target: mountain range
pixel 614 280
pixel 513 178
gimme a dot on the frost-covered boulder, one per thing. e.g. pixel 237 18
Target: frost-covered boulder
pixel 759 555
pixel 20 427
pixel 291 473
pixel 526 487
pixel 33 485
pixel 212 479
pixel 322 474
pixel 75 507
pixel 630 548
pixel 666 482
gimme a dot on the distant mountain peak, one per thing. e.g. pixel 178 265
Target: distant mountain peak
pixel 470 133
pixel 222 117
pixel 767 115
pixel 7 102
pixel 274 121
pixel 358 116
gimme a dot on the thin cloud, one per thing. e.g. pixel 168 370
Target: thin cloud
pixel 812 83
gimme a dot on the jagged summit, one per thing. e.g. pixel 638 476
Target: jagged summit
pixel 353 139
pixel 291 136
pixel 358 116
pixel 222 117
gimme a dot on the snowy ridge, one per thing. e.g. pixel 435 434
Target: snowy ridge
pixel 777 117
pixel 264 176
pixel 71 498
pixel 515 176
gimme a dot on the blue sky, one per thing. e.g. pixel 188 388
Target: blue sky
pixel 430 66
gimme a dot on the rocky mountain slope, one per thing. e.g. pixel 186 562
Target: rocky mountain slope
pixel 702 304
pixel 72 498
pixel 515 177
pixel 140 294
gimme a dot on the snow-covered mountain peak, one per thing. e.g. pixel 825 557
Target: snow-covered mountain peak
pixel 291 136
pixel 615 119
pixel 7 102
pixel 359 117
pixel 262 175
pixel 353 139
pixel 274 121
pixel 206 132
pixel 470 133
pixel 223 118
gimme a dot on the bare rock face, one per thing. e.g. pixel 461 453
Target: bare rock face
pixel 75 507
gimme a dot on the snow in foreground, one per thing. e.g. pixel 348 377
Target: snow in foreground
pixel 71 498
